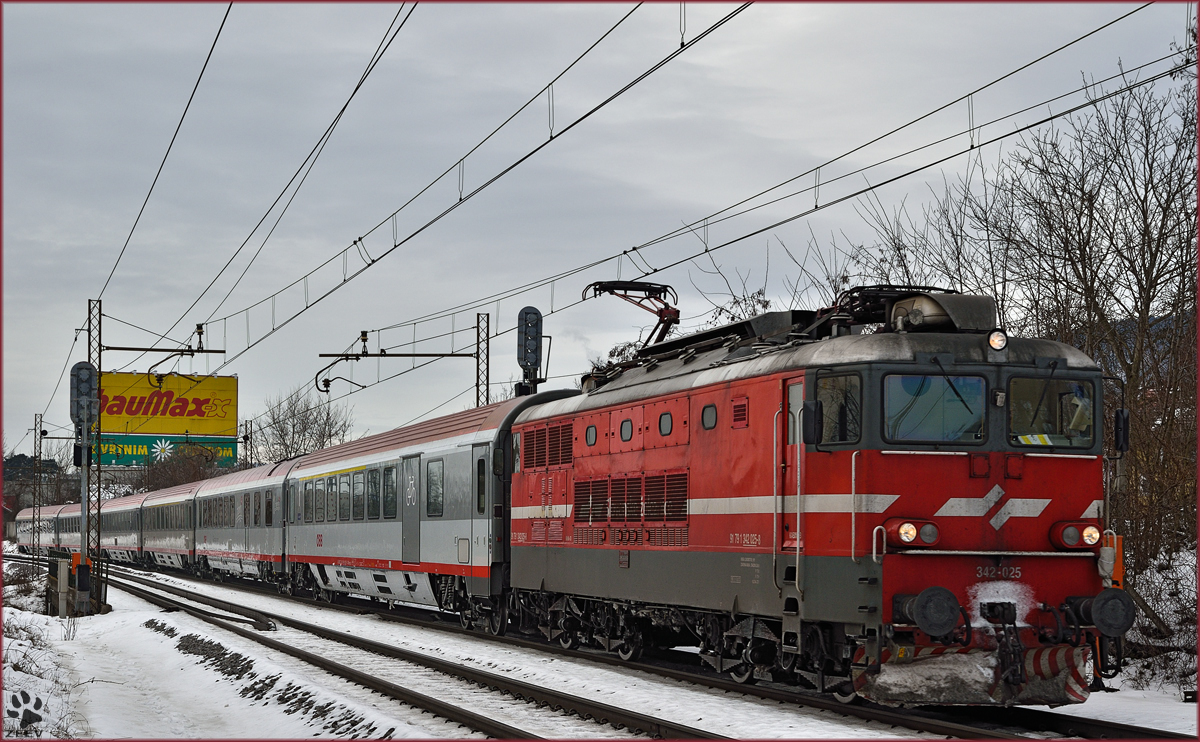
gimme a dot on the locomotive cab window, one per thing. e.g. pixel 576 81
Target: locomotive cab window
pixel 664 424
pixel 841 402
pixel 626 429
pixel 434 488
pixel 1051 412
pixel 933 408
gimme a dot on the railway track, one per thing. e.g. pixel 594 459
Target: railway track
pixel 967 723
pixel 553 701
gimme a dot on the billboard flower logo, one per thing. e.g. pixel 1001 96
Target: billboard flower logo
pixel 161 449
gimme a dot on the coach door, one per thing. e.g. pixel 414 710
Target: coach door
pixel 410 478
pixel 480 506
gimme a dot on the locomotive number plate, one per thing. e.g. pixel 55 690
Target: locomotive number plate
pixel 998 573
pixel 745 539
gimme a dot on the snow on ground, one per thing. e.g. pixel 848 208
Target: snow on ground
pixel 141 673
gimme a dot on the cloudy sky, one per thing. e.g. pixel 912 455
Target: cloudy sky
pixel 93 94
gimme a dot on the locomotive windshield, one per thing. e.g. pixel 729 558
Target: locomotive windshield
pixel 1050 412
pixel 938 409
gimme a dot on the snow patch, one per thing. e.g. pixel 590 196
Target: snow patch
pixel 1001 591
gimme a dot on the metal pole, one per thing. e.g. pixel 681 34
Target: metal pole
pixel 91 536
pixel 37 488
pixel 482 362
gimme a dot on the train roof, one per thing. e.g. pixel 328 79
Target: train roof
pixel 128 502
pixel 178 493
pixel 687 367
pixel 259 476
pixel 47 511
pixel 465 425
pixel 72 509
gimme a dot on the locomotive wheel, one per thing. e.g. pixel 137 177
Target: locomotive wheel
pixel 743 674
pixel 844 693
pixel 568 640
pixel 631 649
pixel 464 620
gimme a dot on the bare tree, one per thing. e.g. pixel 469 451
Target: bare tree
pixel 300 422
pixel 1086 234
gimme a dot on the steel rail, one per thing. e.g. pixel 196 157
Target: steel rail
pixel 584 708
pixel 474 721
pixel 1028 718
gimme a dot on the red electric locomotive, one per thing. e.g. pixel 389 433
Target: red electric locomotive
pixel 913 514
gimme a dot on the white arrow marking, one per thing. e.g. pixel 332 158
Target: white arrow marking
pixel 971 506
pixel 1018 508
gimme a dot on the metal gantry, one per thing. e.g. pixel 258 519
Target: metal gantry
pixel 91 505
pixel 37 488
pixel 482 363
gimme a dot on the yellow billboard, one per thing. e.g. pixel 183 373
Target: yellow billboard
pixel 182 405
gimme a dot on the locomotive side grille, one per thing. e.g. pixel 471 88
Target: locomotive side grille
pixel 741 412
pixel 616 501
pixel 627 536
pixel 588 536
pixel 556 530
pixel 655 493
pixel 547 447
pixel 582 509
pixel 676 500
pixel 539 530
pixel 667 536
pixel 560 445
pixel 633 500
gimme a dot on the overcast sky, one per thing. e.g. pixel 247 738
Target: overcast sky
pixel 93 93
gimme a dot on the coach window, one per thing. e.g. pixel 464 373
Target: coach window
pixel 318 486
pixel 389 492
pixel 589 435
pixel 373 494
pixel 480 485
pixel 626 430
pixel 434 488
pixel 516 452
pixel 841 403
pixel 708 417
pixel 331 499
pixel 664 424
pixel 269 520
pixel 308 502
pixel 344 497
pixel 358 496
pixel 257 508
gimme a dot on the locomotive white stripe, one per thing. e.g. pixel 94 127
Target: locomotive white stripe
pixel 1018 508
pixel 752 505
pixel 976 507
pixel 1093 510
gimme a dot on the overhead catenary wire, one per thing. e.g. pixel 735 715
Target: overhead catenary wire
pixel 351 276
pixel 305 165
pixel 166 154
pixel 869 188
pixel 936 162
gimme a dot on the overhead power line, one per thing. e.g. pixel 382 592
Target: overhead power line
pixel 350 276
pixel 305 166
pixel 167 153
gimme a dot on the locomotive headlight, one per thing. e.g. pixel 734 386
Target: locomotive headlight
pixel 997 340
pixel 929 533
pixel 907 532
pixel 1070 536
pixel 1091 535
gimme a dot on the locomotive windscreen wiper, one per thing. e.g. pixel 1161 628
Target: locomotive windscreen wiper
pixel 953 388
pixel 1045 387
